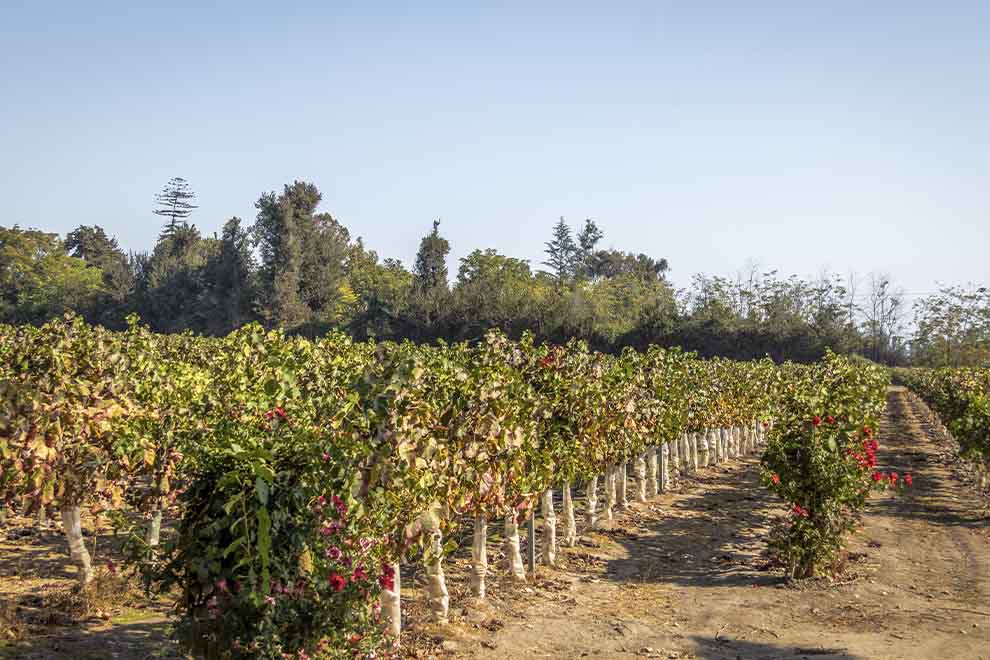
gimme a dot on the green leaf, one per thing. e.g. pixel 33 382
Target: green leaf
pixel 261 488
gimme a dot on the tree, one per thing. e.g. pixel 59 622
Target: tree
pixel 281 230
pixel 587 241
pixel 172 281
pixel 952 327
pixel 175 202
pixel 883 319
pixel 98 250
pixel 430 292
pixel 612 263
pixel 228 299
pixel 39 280
pixel 431 261
pixel 493 291
pixel 561 252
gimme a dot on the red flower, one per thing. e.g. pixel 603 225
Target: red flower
pixel 775 478
pixel 359 574
pixel 877 476
pixel 893 478
pixel 867 430
pixel 337 582
pixel 908 480
pixel 800 511
pixel 816 420
pixel 830 420
pixel 387 578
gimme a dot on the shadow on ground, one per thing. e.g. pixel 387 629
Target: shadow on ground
pixel 722 648
pixel 713 537
pixel 131 641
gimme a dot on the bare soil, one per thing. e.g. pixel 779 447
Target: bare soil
pixel 683 576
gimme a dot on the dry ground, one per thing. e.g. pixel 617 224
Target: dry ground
pixel 683 576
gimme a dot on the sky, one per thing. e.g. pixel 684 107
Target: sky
pixel 847 136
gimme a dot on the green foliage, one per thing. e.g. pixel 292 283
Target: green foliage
pixel 299 469
pixel 39 281
pixel 953 328
pixel 820 456
pixel 961 398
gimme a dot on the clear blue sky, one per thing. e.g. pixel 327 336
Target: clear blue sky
pixel 853 135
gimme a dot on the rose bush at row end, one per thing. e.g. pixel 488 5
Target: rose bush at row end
pixel 821 457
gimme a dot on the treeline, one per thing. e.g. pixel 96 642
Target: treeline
pixel 298 268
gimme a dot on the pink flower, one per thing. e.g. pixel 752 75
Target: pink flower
pixel 334 553
pixel 359 574
pixel 816 420
pixel 221 585
pixel 269 601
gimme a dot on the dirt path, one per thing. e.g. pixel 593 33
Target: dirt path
pixel 684 577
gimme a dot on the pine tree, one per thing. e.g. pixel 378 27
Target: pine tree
pixel 431 261
pixel 175 202
pixel 587 241
pixel 561 252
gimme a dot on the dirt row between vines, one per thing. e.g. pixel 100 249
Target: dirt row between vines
pixel 682 576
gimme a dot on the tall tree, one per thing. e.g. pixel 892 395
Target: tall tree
pixel 175 202
pixel 428 303
pixel 882 310
pixel 228 299
pixel 588 240
pixel 98 250
pixel 172 281
pixel 431 261
pixel 304 256
pixel 561 252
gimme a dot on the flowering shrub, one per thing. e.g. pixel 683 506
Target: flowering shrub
pixel 821 457
pixel 273 556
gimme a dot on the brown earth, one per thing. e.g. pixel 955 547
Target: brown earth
pixel 682 576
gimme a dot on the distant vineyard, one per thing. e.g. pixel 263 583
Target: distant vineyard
pixel 960 397
pixel 300 473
